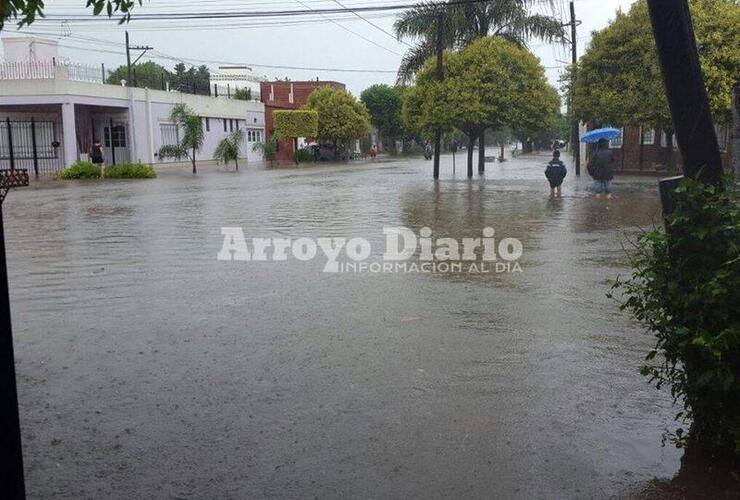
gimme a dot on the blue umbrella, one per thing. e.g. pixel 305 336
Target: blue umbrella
pixel 601 133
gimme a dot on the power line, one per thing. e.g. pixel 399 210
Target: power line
pixel 261 13
pixel 350 31
pixel 370 22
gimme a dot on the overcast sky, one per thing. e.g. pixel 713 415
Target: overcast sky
pixel 346 43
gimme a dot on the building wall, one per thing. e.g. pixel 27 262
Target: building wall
pixel 286 95
pixel 147 111
pixel 657 155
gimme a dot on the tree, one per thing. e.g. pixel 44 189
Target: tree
pixel 148 75
pixel 489 84
pixel 243 94
pixel 618 80
pixel 229 149
pixel 466 22
pixel 192 80
pixel 342 118
pixel 28 10
pixel 384 104
pixel 191 126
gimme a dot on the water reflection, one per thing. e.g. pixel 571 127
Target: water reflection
pixel 138 350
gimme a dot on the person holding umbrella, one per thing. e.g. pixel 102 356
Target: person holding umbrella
pixel 600 164
pixel 600 169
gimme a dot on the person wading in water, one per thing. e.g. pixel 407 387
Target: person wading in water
pixel 97 155
pixel 601 170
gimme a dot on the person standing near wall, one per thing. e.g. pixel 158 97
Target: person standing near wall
pixel 97 155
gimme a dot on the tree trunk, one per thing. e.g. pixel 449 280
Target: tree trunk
pixel 236 162
pixel 502 157
pixel 471 146
pixel 195 171
pixel 482 152
pixel 642 147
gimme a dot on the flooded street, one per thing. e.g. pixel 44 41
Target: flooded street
pixel 149 369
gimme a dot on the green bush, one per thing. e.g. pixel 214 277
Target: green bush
pixel 80 170
pixel 297 123
pixel 685 288
pixel 129 171
pixel 303 155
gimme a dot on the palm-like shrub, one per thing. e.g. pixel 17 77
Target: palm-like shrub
pixel 229 149
pixel 192 135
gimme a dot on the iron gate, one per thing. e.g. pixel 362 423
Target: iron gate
pixel 30 144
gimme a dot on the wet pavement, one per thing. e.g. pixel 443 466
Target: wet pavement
pixel 149 369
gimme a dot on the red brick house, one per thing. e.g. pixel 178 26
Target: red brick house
pixel 288 95
pixel 657 152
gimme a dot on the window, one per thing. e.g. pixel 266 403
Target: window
pixel 237 124
pixel 617 143
pixel 663 139
pixel 648 136
pixel 170 134
pixel 208 124
pixel 225 129
pixel 231 125
pixel 254 135
pixel 117 134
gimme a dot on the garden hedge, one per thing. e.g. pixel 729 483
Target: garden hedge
pixel 298 123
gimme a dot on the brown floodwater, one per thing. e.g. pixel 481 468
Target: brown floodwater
pixel 149 369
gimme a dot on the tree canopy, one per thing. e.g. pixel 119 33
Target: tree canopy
pixel 618 80
pixel 384 103
pixel 26 11
pixel 342 117
pixel 489 84
pixel 149 74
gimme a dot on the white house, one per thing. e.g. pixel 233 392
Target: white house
pixel 50 114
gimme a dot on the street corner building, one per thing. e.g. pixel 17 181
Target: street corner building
pixel 288 95
pixel 51 111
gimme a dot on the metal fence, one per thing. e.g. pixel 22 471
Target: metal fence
pixel 30 144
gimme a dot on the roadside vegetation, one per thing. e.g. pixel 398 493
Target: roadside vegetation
pixel 192 139
pixel 87 170
pixel 685 289
pixel 229 149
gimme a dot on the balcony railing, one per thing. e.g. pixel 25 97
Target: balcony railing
pixel 51 71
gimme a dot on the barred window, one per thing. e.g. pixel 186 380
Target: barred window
pixel 170 134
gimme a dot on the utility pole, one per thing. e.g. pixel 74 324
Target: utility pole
pixel 440 77
pixel 684 84
pixel 575 140
pixel 129 48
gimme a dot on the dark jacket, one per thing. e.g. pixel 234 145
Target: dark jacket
pixel 600 165
pixel 556 171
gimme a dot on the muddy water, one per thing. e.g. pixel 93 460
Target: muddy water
pixel 149 369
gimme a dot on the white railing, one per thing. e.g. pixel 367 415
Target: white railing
pixel 50 71
pixel 26 71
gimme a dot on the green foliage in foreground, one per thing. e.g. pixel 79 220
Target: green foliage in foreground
pixel 130 171
pixel 80 170
pixel 685 288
